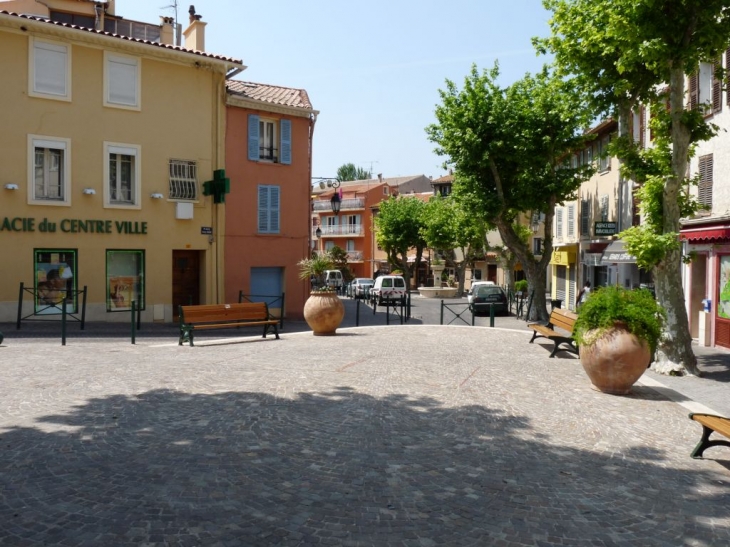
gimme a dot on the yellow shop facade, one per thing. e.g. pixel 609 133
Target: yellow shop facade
pixel 109 132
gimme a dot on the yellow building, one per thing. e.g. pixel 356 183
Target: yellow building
pixel 108 133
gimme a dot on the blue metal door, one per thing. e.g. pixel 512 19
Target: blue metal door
pixel 267 286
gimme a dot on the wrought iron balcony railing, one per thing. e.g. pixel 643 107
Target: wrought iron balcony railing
pixel 350 203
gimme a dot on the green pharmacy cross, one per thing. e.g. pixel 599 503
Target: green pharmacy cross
pixel 218 187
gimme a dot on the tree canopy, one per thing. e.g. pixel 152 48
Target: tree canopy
pixel 349 171
pixel 398 225
pixel 623 52
pixel 510 149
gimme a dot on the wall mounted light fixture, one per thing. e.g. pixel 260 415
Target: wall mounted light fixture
pixel 11 186
pixel 89 191
pixel 156 195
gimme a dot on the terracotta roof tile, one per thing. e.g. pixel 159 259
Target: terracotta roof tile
pixel 157 44
pixel 445 178
pixel 272 94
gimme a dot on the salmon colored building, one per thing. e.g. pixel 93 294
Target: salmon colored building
pixel 268 161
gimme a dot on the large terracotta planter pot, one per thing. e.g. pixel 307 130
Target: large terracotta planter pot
pixel 614 360
pixel 323 312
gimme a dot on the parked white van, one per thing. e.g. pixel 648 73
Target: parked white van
pixel 333 278
pixel 388 287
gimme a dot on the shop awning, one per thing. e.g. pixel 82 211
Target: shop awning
pixel 706 235
pixel 616 253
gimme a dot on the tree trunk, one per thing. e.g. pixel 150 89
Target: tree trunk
pixel 674 354
pixel 534 270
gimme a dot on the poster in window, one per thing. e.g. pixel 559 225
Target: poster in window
pixel 55 281
pixel 125 280
pixel 723 307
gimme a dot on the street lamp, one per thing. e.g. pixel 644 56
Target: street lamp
pixel 335 201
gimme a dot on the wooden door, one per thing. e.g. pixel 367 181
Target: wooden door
pixel 185 280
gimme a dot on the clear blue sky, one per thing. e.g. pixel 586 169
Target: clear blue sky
pixel 373 69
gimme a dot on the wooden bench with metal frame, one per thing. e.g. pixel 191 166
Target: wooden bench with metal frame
pixel 225 316
pixel 710 423
pixel 563 319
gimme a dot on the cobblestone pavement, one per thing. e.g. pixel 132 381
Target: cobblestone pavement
pixel 408 436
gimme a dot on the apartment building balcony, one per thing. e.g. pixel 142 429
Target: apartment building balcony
pixel 348 204
pixel 352 256
pixel 342 230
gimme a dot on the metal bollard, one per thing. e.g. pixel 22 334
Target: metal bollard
pixel 491 315
pixel 357 313
pixel 134 322
pixel 63 322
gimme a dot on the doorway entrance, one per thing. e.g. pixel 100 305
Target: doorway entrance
pixel 185 280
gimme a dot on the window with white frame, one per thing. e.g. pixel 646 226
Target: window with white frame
pixel 268 213
pixel 604 208
pixel 50 70
pixel 585 217
pixel 537 245
pixel 604 161
pixel 269 139
pixel 183 180
pixel 122 81
pixel 122 168
pixel 49 170
pixel 350 245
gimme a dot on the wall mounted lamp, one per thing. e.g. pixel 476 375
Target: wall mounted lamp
pixel 89 191
pixel 156 195
pixel 11 186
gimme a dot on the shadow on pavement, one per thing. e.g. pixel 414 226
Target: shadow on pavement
pixel 245 468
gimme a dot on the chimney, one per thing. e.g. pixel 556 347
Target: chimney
pixel 195 33
pixel 380 177
pixel 167 31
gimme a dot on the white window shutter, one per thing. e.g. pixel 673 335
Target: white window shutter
pixel 122 81
pixel 50 62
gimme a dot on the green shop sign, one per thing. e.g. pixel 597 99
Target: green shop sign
pixel 73 226
pixel 605 228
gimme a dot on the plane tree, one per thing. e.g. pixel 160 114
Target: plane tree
pixel 510 149
pixel 398 229
pixel 448 226
pixel 625 52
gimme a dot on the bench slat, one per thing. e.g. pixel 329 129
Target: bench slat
pixel 717 423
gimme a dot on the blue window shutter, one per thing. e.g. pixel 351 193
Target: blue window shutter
pixel 274 209
pixel 285 131
pixel 253 137
pixel 263 209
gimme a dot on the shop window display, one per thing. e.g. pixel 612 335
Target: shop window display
pixel 125 280
pixel 55 281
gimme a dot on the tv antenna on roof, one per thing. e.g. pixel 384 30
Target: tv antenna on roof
pixel 371 162
pixel 178 26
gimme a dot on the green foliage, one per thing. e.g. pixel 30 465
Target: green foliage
pixel 314 267
pixel 447 226
pixel 521 285
pixel 339 262
pixel 398 226
pixel 349 171
pixel 637 309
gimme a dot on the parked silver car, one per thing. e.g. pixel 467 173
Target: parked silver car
pixel 360 287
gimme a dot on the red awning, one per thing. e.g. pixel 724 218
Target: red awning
pixel 699 235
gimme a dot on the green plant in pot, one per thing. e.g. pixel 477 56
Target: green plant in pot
pixel 617 332
pixel 521 286
pixel 323 310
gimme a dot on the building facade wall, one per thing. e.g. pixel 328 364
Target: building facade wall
pixel 178 118
pixel 246 248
